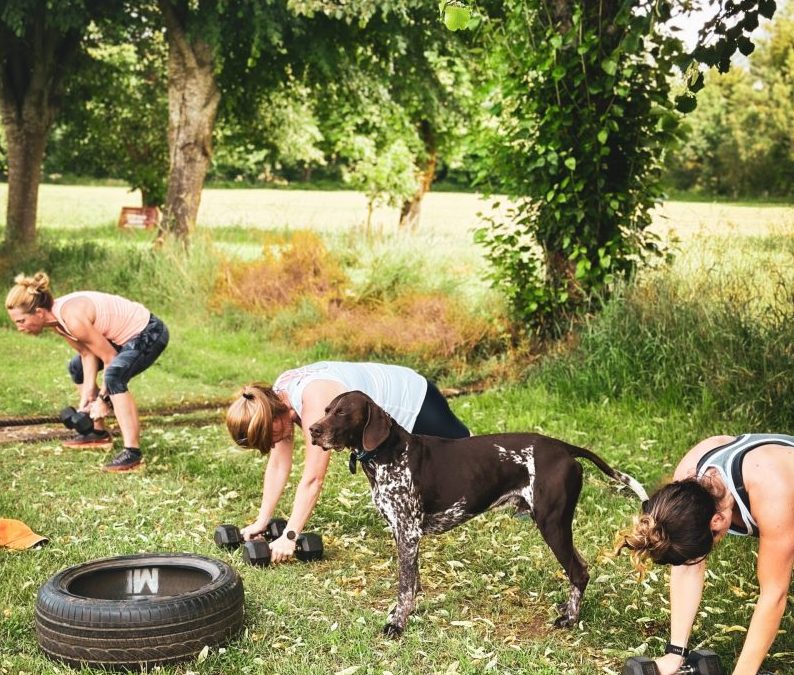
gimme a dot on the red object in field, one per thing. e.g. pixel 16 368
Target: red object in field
pixel 143 217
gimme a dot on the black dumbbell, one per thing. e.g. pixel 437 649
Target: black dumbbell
pixel 699 662
pixel 308 546
pixel 81 422
pixel 229 537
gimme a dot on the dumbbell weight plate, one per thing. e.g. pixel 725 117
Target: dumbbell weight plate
pixel 309 546
pixel 256 552
pixel 227 536
pixel 640 665
pixel 705 662
pixel 79 422
pixel 275 528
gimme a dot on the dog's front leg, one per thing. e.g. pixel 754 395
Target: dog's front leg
pixel 408 559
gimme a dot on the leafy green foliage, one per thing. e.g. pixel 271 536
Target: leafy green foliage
pixel 285 135
pixel 584 111
pixel 726 32
pixel 739 140
pixel 115 118
pixel 385 175
pixel 581 93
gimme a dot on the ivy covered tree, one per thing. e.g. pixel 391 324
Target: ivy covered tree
pixel 584 109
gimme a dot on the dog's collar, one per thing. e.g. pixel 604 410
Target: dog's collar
pixel 361 457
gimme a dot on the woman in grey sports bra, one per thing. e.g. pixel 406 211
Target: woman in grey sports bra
pixel 724 485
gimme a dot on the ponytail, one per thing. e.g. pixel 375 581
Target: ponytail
pixel 250 418
pixel 674 528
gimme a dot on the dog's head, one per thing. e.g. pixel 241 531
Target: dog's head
pixel 352 420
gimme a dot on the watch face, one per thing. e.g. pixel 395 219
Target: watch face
pixel 291 535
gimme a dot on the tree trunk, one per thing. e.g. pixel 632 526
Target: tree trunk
pixel 411 209
pixel 26 145
pixel 193 99
pixel 30 85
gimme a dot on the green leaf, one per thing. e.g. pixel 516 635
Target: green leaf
pixel 456 17
pixel 603 135
pixel 609 66
pixel 570 163
pixel 767 8
pixel 686 103
pixel 698 82
pixel 746 45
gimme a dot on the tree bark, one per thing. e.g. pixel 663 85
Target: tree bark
pixel 33 68
pixel 412 208
pixel 193 99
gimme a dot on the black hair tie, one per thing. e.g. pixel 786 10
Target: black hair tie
pixel 248 396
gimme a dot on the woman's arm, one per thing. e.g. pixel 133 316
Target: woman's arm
pixel 686 589
pixel 316 397
pixel 775 562
pixel 279 465
pixel 686 581
pixel 89 389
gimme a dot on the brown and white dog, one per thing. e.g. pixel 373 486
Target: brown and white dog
pixel 427 485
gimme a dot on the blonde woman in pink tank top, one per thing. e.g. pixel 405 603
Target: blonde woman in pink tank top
pixel 109 333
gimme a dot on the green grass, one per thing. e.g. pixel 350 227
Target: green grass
pixel 489 586
pixel 698 349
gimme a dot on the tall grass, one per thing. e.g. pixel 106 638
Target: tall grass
pixel 713 335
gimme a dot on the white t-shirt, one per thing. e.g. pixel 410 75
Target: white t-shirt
pixel 398 390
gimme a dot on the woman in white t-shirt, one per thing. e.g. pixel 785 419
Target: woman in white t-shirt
pixel 264 417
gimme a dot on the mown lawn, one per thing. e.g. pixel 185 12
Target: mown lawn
pixel 489 586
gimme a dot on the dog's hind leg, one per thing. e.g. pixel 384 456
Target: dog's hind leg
pixel 408 558
pixel 555 524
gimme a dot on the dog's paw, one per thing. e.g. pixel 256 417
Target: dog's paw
pixel 565 621
pixel 392 630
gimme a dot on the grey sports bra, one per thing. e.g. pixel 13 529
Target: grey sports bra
pixel 727 459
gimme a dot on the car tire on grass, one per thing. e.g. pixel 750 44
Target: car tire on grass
pixel 138 611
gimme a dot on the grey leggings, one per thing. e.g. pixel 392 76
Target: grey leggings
pixel 133 357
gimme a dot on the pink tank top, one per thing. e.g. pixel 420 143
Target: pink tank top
pixel 117 318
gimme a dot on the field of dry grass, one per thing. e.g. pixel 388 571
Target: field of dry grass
pixel 455 214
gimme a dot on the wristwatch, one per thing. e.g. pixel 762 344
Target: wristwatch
pixel 675 649
pixel 291 535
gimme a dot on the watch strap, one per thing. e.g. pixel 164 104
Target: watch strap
pixel 670 648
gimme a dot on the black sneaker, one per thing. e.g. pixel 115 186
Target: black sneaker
pixel 126 460
pixel 93 440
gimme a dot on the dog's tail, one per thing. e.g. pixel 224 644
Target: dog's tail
pixel 619 476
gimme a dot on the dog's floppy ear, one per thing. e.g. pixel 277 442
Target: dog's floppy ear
pixel 377 427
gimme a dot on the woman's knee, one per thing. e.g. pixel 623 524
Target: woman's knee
pixel 75 368
pixel 115 381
